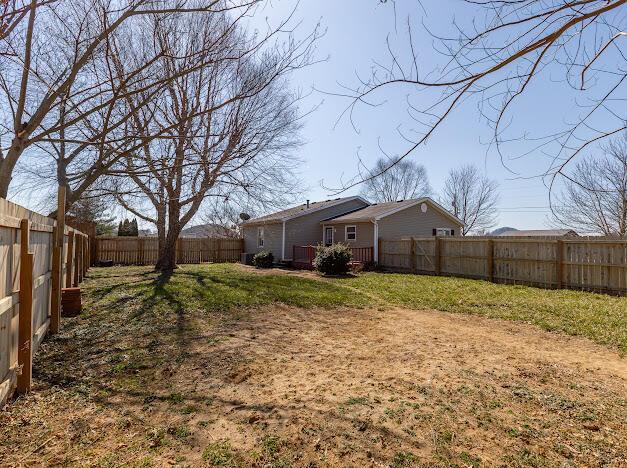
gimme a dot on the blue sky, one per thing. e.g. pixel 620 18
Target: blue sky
pixel 355 37
pixel 356 32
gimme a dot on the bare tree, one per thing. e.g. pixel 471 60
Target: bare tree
pixel 227 123
pixel 497 56
pixel 471 197
pixel 12 12
pixel 404 180
pixel 595 196
pixel 71 34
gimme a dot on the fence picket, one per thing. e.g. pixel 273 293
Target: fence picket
pixel 598 264
pixel 143 250
pixel 31 274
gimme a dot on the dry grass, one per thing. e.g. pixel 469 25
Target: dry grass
pixel 222 366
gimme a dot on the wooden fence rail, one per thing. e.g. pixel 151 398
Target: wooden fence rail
pixel 144 250
pixel 574 263
pixel 35 263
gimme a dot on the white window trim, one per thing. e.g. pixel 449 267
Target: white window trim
pixel 447 232
pixel 346 233
pixel 261 237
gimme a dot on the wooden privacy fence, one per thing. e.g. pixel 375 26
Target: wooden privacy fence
pixel 35 264
pixel 144 250
pixel 596 264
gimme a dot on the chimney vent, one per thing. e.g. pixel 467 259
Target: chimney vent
pixel 307 204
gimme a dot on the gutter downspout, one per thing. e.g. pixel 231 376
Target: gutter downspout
pixel 376 241
pixel 283 244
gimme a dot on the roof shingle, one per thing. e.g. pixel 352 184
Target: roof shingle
pixel 298 210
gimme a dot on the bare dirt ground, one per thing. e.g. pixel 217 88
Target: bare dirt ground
pixel 282 386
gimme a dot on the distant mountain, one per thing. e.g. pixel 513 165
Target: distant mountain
pixel 501 230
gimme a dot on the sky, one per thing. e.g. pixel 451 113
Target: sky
pixel 354 39
pixel 355 33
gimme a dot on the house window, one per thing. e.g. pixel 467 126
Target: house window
pixel 351 233
pixel 443 232
pixel 260 237
pixel 328 236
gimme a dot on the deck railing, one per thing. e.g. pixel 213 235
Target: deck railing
pixel 303 255
pixel 363 254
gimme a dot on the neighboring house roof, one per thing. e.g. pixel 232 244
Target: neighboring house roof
pixel 300 210
pixel 540 233
pixel 377 211
pixel 146 233
pixel 207 230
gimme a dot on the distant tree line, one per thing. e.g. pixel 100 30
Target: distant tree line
pixel 128 228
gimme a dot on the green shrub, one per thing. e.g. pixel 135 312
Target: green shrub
pixel 263 259
pixel 333 260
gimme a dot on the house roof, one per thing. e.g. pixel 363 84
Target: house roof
pixel 540 233
pixel 377 211
pixel 207 230
pixel 300 210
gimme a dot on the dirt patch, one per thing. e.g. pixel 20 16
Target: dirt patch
pixel 280 386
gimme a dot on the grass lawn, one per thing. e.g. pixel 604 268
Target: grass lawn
pixel 224 365
pixel 598 317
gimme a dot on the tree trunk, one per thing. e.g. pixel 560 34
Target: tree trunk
pixel 167 254
pixel 167 257
pixel 7 165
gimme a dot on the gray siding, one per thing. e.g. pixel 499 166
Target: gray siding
pixel 365 234
pixel 412 222
pixel 304 230
pixel 307 230
pixel 272 239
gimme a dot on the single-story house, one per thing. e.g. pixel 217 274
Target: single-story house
pixel 300 225
pixel 540 233
pixel 350 220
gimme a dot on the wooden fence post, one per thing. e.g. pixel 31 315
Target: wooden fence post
pixel 55 295
pixel 86 256
pixel 58 235
pixel 69 260
pixel 25 332
pixel 490 260
pixel 77 249
pixel 412 252
pixel 559 263
pixel 79 259
pixel 438 256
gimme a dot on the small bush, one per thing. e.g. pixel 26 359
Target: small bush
pixel 333 260
pixel 263 259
